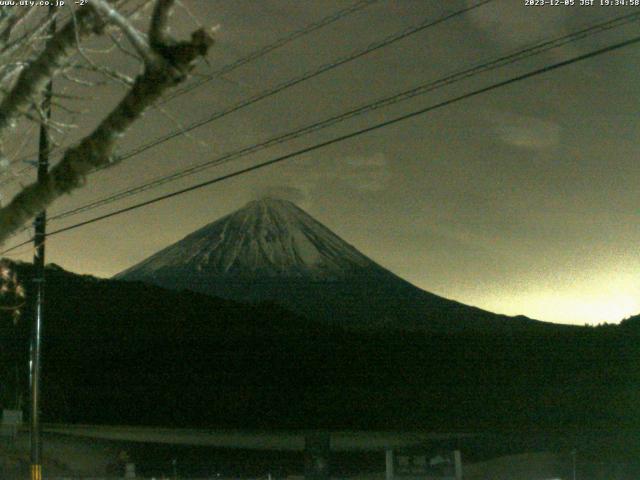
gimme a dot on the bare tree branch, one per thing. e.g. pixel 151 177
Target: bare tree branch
pixel 99 68
pixel 33 79
pixel 169 65
pixel 135 37
pixel 118 43
pixel 11 18
pixel 157 31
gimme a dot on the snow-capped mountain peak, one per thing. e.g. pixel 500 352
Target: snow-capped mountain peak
pixel 271 250
pixel 267 237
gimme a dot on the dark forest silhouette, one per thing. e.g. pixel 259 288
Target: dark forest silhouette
pixel 129 353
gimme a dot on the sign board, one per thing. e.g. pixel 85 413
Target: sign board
pixel 422 463
pixel 11 420
pixel 130 470
pixel 12 417
pixel 317 452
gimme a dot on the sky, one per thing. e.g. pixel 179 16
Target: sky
pixel 522 200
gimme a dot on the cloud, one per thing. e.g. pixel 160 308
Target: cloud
pixel 524 131
pixel 284 192
pixel 364 173
pixel 512 23
pixel 303 180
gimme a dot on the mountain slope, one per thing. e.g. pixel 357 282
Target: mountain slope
pixel 271 250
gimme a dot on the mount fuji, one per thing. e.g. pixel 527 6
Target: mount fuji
pixel 272 251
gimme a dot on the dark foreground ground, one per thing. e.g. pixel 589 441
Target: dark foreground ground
pixel 138 355
pixel 598 456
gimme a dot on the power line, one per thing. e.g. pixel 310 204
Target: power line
pixel 26 251
pixel 255 55
pixel 351 135
pixel 281 42
pixel 429 23
pixel 63 20
pixel 513 57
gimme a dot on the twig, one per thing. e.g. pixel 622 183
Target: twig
pixel 33 79
pixel 135 37
pixel 171 63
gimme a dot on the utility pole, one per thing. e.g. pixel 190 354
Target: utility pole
pixel 39 278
